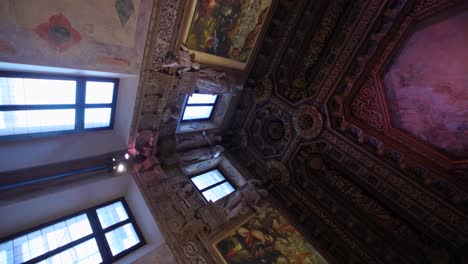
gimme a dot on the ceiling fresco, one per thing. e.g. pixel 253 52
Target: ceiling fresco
pixel 426 85
pixel 391 137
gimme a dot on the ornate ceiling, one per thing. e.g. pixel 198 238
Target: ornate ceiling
pixel 331 113
pixel 357 111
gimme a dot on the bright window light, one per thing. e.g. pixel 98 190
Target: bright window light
pixel 80 238
pixel 218 192
pixel 111 214
pixel 212 185
pixel 202 99
pixel 24 91
pixel 97 117
pixel 36 121
pixel 197 112
pixel 207 179
pixel 199 106
pixel 36 105
pixel 122 238
pixel 99 92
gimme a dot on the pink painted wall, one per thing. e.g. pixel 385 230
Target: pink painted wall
pixel 427 84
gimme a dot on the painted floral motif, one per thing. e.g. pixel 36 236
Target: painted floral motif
pixel 59 32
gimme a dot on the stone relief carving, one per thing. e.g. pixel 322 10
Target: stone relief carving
pixel 308 122
pixel 366 107
pixel 191 251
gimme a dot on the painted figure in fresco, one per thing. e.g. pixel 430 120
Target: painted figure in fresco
pixel 227 28
pixel 246 200
pixel 260 240
pixel 247 30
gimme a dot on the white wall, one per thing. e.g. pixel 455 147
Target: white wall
pixel 36 152
pixel 145 222
pixel 25 214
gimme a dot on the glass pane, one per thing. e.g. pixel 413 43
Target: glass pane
pixel 86 252
pixel 36 121
pixel 97 117
pixel 218 192
pixel 25 91
pixel 197 112
pixel 6 252
pixel 112 214
pixel 122 238
pixel 39 242
pixel 202 99
pixel 207 179
pixel 99 92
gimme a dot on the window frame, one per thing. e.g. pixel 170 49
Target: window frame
pixel 199 119
pixel 98 234
pixel 226 179
pixel 79 106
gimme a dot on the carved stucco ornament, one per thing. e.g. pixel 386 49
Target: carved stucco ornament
pixel 243 139
pixel 308 122
pixel 263 91
pixel 192 252
pixel 278 172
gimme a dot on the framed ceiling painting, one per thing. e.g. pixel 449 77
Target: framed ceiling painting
pixel 267 237
pixel 224 32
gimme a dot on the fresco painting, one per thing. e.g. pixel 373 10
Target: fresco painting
pixel 58 32
pixel 76 34
pixel 125 9
pixel 227 29
pixel 427 85
pixel 267 237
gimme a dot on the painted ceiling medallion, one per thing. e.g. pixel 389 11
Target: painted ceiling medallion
pixel 308 122
pixel 271 131
pixel 278 172
pixel 59 33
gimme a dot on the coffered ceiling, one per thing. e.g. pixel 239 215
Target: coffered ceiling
pixel 357 112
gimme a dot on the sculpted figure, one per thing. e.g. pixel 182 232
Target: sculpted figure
pixel 182 62
pixel 212 82
pixel 192 140
pixel 245 200
pixel 184 190
pixel 201 154
pixel 170 113
pixel 209 81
